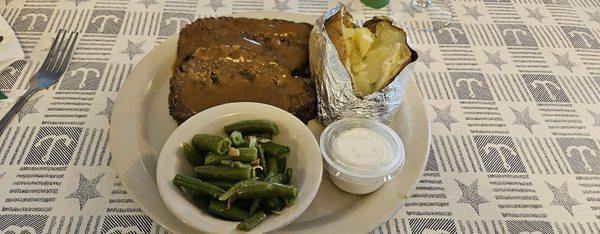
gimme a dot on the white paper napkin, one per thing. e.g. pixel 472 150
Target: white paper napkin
pixel 10 51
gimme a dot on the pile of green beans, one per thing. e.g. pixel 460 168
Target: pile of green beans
pixel 242 177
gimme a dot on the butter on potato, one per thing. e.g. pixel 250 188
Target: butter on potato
pixel 373 54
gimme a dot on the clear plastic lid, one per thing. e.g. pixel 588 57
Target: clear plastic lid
pixel 361 151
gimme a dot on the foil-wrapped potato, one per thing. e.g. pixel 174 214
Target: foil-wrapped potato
pixel 373 54
pixel 359 72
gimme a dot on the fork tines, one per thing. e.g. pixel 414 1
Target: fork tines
pixel 60 53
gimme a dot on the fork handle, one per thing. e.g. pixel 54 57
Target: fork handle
pixel 15 109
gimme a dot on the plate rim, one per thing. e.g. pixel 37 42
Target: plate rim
pixel 121 109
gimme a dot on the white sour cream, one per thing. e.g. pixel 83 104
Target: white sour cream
pixel 361 147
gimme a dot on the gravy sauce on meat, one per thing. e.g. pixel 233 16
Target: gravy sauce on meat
pixel 285 40
pixel 225 59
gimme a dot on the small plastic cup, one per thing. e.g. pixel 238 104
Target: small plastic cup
pixel 355 178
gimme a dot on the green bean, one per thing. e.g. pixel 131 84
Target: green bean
pixel 255 205
pixel 253 126
pixel 222 184
pixel 235 164
pixel 262 136
pixel 289 201
pixel 238 164
pixel 216 144
pixel 195 195
pixel 236 138
pixel 198 186
pixel 272 166
pixel 280 178
pixel 247 155
pixel 193 157
pixel 252 221
pixel 215 159
pixel 261 157
pixel 271 148
pixel 223 173
pixel 230 163
pixel 282 162
pixel 258 189
pixel 234 213
pixel 262 189
pixel 273 203
pixel 231 191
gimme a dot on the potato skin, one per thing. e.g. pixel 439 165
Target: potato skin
pixel 335 30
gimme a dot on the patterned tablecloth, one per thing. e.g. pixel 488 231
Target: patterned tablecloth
pixel 512 90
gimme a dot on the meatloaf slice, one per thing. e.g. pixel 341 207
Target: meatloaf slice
pixel 232 73
pixel 285 40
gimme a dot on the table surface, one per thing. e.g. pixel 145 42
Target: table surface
pixel 512 91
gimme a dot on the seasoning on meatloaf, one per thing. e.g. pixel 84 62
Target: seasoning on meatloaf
pixel 287 41
pixel 225 59
pixel 232 73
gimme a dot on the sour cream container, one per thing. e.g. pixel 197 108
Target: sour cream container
pixel 361 154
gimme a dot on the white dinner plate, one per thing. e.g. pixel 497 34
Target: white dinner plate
pixel 141 124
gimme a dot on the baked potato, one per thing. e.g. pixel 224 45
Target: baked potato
pixel 373 54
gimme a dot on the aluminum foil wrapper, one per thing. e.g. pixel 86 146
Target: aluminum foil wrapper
pixel 335 95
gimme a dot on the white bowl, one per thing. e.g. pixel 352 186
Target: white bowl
pixel 304 159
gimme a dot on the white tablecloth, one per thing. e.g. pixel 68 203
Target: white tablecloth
pixel 512 91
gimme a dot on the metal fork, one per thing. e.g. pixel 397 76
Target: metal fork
pixel 54 66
